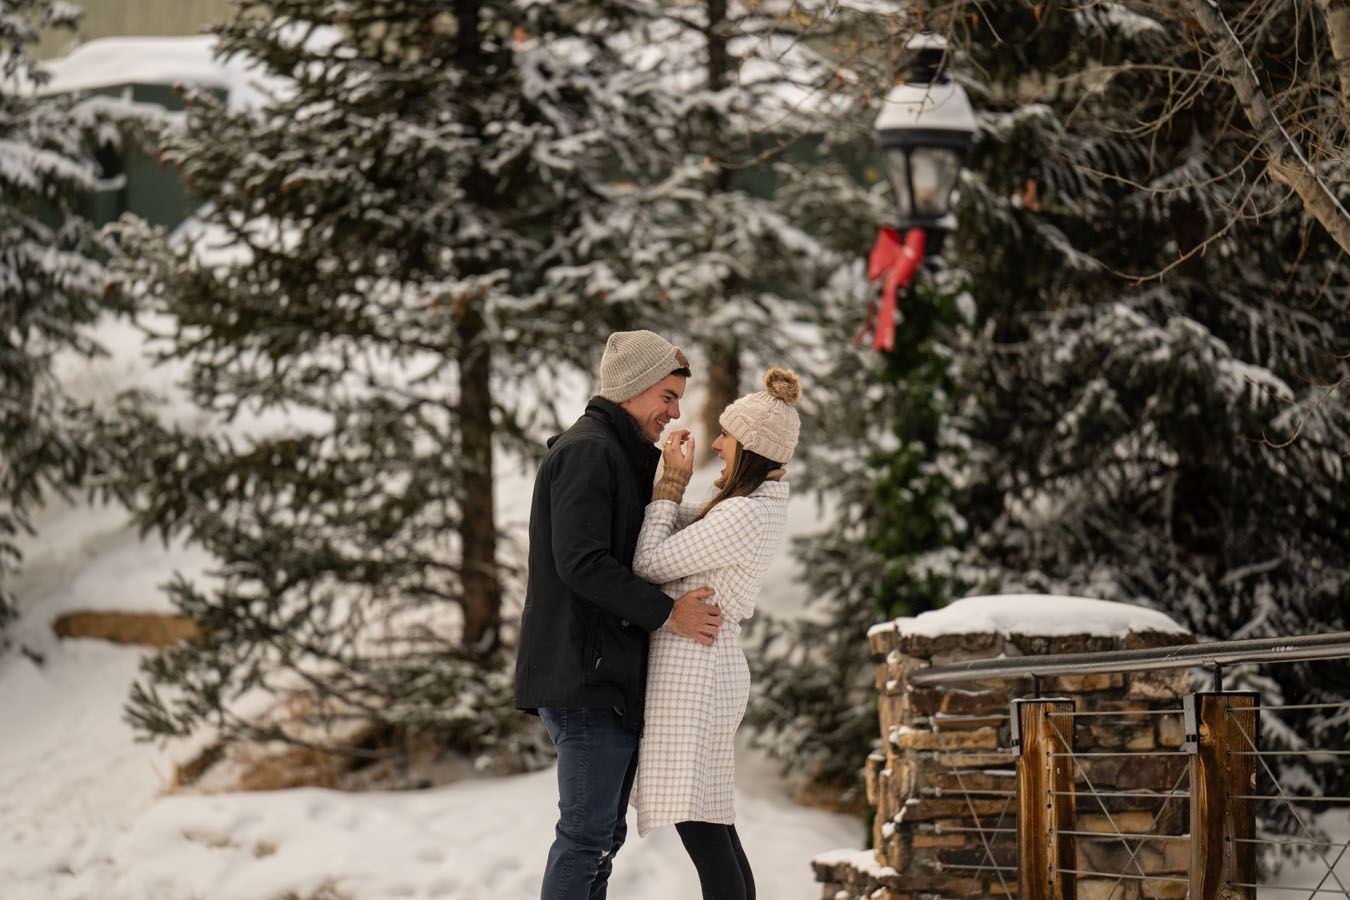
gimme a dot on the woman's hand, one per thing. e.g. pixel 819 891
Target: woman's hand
pixel 677 457
pixel 678 452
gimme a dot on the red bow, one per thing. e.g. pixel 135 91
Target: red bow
pixel 898 263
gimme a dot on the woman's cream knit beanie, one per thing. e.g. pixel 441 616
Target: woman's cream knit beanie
pixel 766 423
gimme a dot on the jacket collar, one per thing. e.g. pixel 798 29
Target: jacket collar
pixel 618 419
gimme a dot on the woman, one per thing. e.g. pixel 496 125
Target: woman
pixel 696 694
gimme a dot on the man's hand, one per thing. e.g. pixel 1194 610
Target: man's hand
pixel 694 619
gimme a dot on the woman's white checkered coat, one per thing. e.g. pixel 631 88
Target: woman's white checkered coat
pixel 696 694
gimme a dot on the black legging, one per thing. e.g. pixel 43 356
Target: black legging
pixel 723 870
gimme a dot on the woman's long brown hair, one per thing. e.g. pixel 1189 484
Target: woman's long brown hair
pixel 748 471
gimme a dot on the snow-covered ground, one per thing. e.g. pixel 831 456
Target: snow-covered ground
pixel 86 812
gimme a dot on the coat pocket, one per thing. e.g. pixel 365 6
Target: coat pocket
pixel 595 651
pixel 608 659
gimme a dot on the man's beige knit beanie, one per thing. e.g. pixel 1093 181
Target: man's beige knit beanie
pixel 766 422
pixel 634 361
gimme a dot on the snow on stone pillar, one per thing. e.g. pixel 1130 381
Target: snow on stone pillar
pixel 944 782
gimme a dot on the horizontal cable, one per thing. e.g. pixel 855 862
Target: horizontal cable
pixel 1142 795
pixel 1288 887
pixel 1289 752
pixel 1290 800
pixel 971 792
pixel 1001 751
pixel 947 867
pixel 1097 714
pixel 1101 753
pixel 1124 834
pixel 1292 842
pixel 944 829
pixel 1182 656
pixel 1121 875
pixel 1341 705
pixel 966 717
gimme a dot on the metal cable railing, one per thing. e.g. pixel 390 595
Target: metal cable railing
pixel 1142 817
pixel 1182 656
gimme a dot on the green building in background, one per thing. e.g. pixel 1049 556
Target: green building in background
pixel 140 51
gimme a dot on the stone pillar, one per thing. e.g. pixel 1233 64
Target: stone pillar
pixel 944 781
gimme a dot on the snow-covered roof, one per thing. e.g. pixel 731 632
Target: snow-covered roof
pixel 152 60
pixel 1035 614
pixel 938 107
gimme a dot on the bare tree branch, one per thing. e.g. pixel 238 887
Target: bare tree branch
pixel 1338 30
pixel 1286 160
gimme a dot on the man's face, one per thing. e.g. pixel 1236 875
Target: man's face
pixel 657 406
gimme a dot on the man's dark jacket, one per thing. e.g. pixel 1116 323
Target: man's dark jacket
pixel 584 631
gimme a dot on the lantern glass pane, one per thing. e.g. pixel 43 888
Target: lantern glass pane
pixel 933 172
pixel 897 168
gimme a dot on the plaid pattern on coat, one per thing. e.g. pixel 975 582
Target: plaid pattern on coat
pixel 696 694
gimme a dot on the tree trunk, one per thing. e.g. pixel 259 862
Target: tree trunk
pixel 724 380
pixel 481 600
pixel 724 359
pixel 477 531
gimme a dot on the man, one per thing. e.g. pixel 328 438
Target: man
pixel 582 659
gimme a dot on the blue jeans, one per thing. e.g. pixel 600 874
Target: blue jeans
pixel 597 758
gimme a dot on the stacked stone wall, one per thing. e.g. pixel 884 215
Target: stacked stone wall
pixel 944 783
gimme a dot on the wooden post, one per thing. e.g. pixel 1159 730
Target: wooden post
pixel 1045 854
pixel 1215 726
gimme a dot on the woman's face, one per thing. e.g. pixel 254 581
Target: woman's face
pixel 725 445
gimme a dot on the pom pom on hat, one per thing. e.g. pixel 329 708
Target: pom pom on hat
pixel 766 422
pixel 783 384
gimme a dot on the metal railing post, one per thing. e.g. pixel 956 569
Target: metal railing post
pixel 1223 817
pixel 1045 851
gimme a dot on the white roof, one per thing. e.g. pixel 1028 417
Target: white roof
pixel 153 60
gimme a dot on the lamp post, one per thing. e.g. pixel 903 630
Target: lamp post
pixel 925 127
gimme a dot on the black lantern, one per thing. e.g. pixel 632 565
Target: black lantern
pixel 925 128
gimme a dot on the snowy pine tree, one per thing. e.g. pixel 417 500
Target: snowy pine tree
pixel 1150 389
pixel 735 229
pixel 1150 395
pixel 52 277
pixel 380 297
pixel 750 231
pixel 884 459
